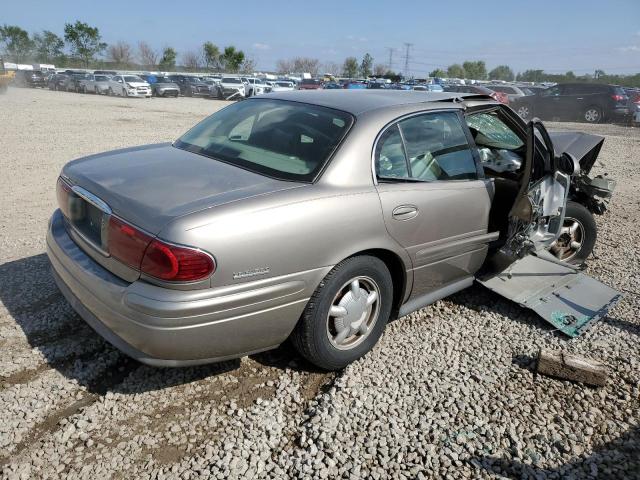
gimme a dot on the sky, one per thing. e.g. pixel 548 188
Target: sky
pixel 557 36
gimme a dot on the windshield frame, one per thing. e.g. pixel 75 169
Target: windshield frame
pixel 310 178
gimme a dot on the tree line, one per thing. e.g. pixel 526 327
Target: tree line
pixel 84 45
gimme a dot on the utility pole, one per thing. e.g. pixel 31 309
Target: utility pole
pixel 391 50
pixel 406 58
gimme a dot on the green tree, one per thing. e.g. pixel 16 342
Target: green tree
pixel 350 67
pixel 455 71
pixel 502 72
pixel 85 41
pixel 168 59
pixel 438 73
pixel 475 70
pixel 232 59
pixel 211 56
pixel 531 76
pixel 365 65
pixel 48 47
pixel 16 44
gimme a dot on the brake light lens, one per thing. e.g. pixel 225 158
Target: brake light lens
pixel 176 264
pixel 127 243
pixel 618 98
pixel 156 258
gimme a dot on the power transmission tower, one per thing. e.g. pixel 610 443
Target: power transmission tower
pixel 406 58
pixel 391 50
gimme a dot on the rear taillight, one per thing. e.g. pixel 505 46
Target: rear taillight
pixel 176 264
pixel 127 243
pixel 62 193
pixel 156 258
pixel 618 98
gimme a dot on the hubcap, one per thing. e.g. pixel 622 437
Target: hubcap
pixel 592 115
pixel 523 112
pixel 353 313
pixel 570 240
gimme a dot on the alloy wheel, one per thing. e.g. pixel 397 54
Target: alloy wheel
pixel 570 240
pixel 353 313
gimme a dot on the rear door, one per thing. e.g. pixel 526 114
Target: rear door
pixel 434 198
pixel 548 104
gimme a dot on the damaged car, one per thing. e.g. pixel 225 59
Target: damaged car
pixel 318 216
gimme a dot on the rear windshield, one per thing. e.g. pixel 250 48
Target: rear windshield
pixel 131 78
pixel 285 140
pixel 310 81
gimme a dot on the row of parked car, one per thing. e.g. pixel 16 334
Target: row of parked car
pixel 146 85
pixel 588 102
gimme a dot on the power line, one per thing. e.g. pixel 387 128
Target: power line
pixel 391 50
pixel 406 58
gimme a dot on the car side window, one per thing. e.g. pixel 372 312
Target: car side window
pixel 437 147
pixel 552 91
pixel 391 161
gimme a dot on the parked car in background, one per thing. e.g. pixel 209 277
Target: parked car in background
pixel 428 87
pixel 109 73
pixel 92 83
pixel 233 88
pixel 634 103
pixel 215 90
pixel 310 84
pixel 161 86
pixel 478 89
pixel 282 86
pixel 588 102
pixel 256 86
pixel 75 80
pixel 512 91
pixel 333 86
pixel 355 85
pixel 30 78
pixel 57 81
pixel 317 219
pixel 190 86
pixel 129 86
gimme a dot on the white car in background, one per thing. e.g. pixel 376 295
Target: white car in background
pixel 282 86
pixel 233 88
pixel 129 86
pixel 256 86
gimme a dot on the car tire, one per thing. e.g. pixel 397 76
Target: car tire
pixel 578 237
pixel 110 92
pixel 124 92
pixel 360 292
pixel 592 114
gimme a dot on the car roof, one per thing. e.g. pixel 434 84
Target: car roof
pixel 358 102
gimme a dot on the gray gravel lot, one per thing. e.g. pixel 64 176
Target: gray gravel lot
pixel 447 393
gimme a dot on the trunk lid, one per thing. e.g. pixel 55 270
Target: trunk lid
pixel 153 184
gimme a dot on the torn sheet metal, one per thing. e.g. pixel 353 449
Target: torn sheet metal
pixel 571 301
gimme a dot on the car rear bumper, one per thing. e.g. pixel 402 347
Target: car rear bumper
pixel 168 327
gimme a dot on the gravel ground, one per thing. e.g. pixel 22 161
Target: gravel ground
pixel 447 393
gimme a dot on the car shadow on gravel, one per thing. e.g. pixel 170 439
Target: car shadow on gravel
pixel 617 459
pixel 51 327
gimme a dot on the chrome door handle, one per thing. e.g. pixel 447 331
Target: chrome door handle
pixel 405 212
pixel 580 98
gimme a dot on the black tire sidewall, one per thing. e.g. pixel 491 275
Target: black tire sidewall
pixel 585 217
pixel 312 328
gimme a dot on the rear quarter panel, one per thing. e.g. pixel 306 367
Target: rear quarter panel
pixel 286 232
